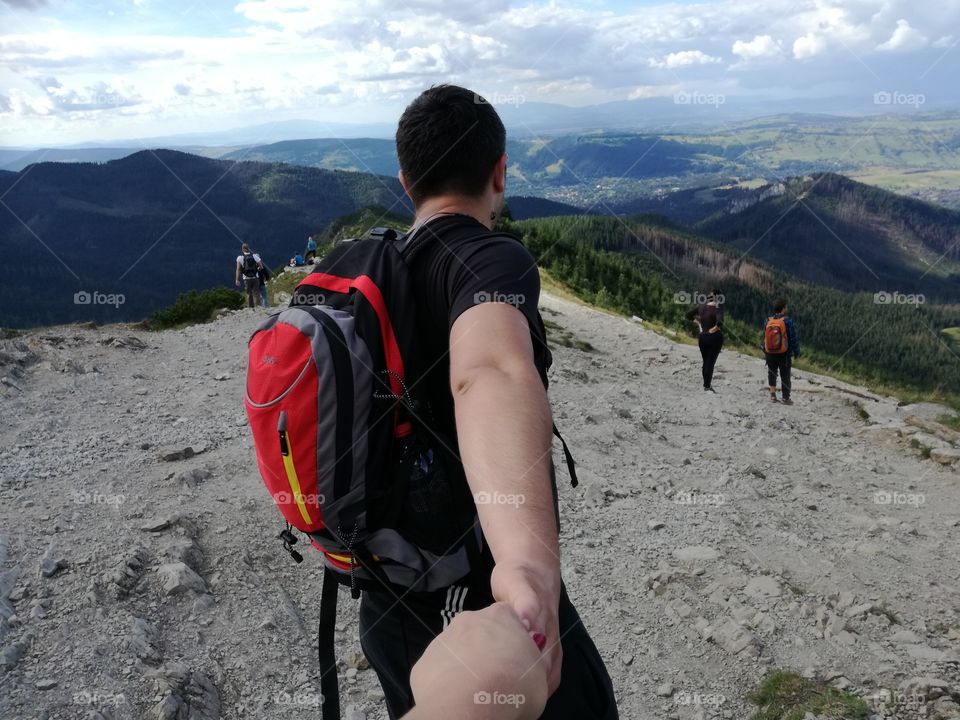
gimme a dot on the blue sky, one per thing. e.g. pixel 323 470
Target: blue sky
pixel 113 69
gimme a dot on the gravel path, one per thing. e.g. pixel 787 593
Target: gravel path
pixel 713 537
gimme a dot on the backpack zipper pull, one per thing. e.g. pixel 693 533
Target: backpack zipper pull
pixel 289 539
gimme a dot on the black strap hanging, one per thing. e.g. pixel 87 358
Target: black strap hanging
pixel 325 648
pixel 571 465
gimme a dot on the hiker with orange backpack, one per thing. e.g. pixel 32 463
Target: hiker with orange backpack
pixel 780 344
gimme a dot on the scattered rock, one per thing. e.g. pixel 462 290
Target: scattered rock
pixel 46 684
pixel 51 563
pixel 178 578
pixel 664 690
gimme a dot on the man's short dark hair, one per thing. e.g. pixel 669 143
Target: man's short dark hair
pixel 448 141
pixel 779 305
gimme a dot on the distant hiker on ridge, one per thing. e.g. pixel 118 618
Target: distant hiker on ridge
pixel 780 343
pixel 311 250
pixel 709 319
pixel 249 265
pixel 264 276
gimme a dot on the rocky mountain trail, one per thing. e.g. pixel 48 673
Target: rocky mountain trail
pixel 714 537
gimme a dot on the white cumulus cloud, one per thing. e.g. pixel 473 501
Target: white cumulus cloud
pixel 808 46
pixel 762 46
pixel 904 38
pixel 684 58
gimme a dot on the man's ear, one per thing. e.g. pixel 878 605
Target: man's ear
pixel 500 175
pixel 403 183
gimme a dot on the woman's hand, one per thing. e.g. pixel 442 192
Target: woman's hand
pixel 483 666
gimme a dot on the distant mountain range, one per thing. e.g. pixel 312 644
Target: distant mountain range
pixel 622 170
pixel 156 223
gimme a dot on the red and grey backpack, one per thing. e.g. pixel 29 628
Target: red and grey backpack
pixel 344 443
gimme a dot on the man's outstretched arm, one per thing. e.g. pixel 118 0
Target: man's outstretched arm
pixel 504 429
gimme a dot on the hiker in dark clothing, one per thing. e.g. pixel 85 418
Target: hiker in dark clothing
pixel 264 276
pixel 709 318
pixel 780 343
pixel 249 266
pixel 486 388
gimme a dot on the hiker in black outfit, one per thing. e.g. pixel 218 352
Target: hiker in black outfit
pixel 780 343
pixel 709 318
pixel 484 342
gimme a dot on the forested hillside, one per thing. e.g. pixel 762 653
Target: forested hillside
pixel 644 267
pixel 154 224
pixel 833 231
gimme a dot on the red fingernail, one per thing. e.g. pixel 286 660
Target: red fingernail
pixel 540 639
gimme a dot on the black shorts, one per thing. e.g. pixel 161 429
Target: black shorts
pixel 394 635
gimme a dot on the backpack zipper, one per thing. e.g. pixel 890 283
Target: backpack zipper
pixel 290 468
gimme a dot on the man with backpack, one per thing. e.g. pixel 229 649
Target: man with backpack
pixel 486 385
pixel 249 266
pixel 780 343
pixel 400 415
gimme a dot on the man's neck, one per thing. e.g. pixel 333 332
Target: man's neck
pixel 449 205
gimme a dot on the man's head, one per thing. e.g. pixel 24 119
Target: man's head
pixel 780 306
pixel 449 142
pixel 244 248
